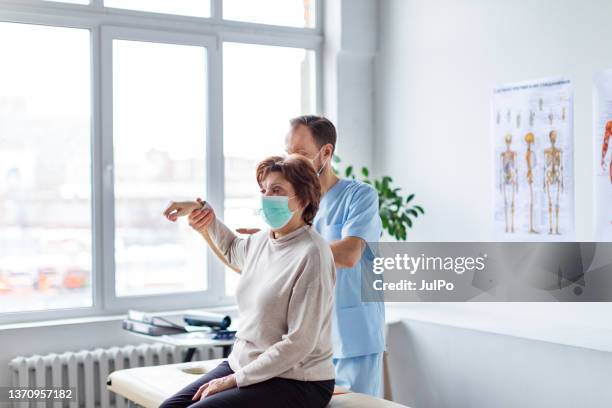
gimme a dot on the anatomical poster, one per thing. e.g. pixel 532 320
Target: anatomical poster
pixel 602 129
pixel 532 131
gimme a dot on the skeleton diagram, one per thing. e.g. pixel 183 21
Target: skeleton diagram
pixel 604 148
pixel 530 157
pixel 508 180
pixel 553 180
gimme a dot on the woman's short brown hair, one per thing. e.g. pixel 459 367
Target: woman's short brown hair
pixel 298 171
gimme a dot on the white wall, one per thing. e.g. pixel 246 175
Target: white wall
pixel 350 51
pixel 437 64
pixel 437 366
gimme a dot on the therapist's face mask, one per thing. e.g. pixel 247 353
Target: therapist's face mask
pixel 275 211
pixel 322 164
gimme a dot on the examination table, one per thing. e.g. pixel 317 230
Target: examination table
pixel 148 387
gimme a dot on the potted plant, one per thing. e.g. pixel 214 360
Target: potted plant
pixel 396 210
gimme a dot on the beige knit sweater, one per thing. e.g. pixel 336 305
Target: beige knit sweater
pixel 285 299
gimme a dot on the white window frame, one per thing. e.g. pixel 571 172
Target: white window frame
pixel 164 301
pixel 106 24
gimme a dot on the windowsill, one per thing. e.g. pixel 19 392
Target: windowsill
pixel 230 309
pixel 585 325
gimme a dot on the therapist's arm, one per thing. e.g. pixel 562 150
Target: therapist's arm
pixel 362 225
pixel 347 252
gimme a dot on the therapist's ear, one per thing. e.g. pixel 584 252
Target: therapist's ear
pixel 328 152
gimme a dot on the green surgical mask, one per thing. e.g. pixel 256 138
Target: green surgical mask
pixel 275 211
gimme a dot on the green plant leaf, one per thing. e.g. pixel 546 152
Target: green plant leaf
pixel 336 158
pixel 395 214
pixel 398 229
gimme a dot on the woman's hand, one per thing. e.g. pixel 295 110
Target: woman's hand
pixel 201 218
pixel 180 209
pixel 215 386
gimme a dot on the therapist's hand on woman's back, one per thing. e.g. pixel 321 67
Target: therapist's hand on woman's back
pixel 247 231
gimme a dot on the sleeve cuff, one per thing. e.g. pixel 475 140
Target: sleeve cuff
pixel 241 380
pixel 367 236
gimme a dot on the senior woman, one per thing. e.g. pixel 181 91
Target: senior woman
pixel 282 356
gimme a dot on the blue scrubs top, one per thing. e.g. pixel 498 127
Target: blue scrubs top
pixel 350 209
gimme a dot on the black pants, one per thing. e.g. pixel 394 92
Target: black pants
pixel 273 393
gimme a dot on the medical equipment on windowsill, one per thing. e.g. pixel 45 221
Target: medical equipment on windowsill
pixel 199 318
pixel 214 324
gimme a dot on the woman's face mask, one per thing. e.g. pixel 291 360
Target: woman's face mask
pixel 275 210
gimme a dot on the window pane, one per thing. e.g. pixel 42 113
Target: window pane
pixel 293 13
pixel 159 96
pixel 278 85
pixel 194 8
pixel 45 188
pixel 71 1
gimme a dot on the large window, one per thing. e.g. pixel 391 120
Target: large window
pixel 159 105
pixel 71 1
pixel 45 179
pixel 105 121
pixel 258 103
pixel 197 8
pixel 294 13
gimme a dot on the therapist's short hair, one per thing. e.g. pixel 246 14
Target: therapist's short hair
pixel 322 129
pixel 300 173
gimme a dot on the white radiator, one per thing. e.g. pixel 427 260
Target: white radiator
pixel 86 371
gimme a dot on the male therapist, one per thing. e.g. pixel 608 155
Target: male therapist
pixel 347 218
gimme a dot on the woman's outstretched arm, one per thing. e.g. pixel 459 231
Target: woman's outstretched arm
pixel 200 221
